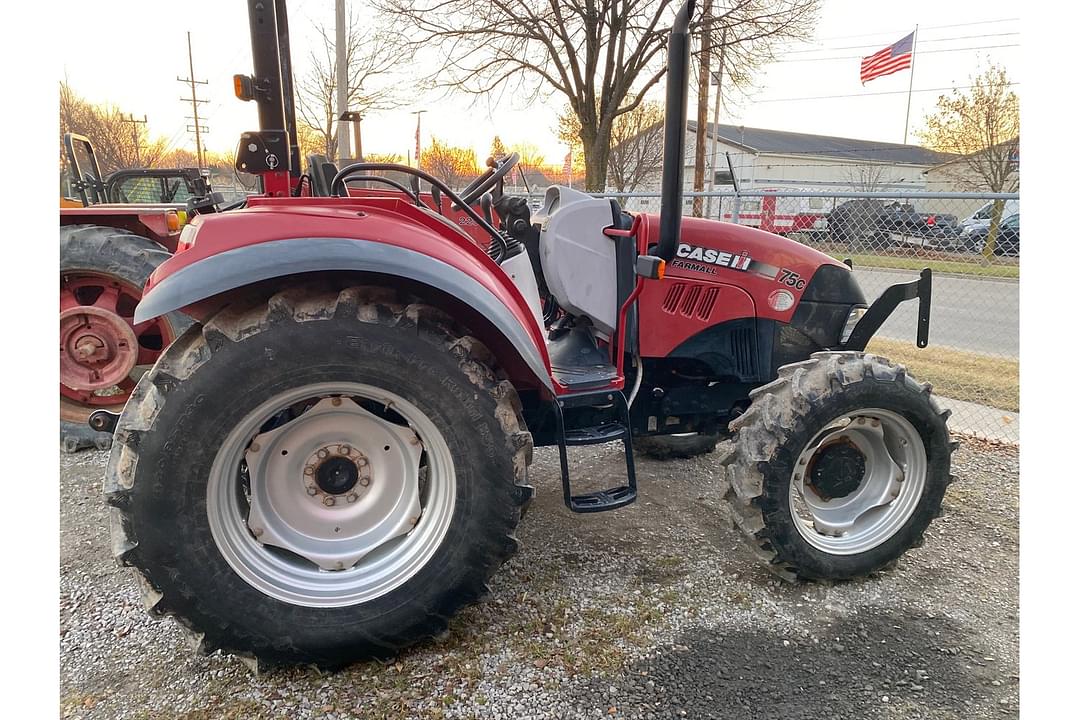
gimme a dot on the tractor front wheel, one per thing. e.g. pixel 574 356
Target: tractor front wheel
pixel 839 466
pixel 323 478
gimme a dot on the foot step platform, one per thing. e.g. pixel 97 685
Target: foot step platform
pixel 609 431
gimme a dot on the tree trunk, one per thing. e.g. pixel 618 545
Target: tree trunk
pixel 992 233
pixel 597 149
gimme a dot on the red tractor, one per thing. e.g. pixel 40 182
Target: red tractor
pixel 332 460
pixel 112 237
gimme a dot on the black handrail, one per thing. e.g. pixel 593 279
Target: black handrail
pixel 388 181
pixel 339 182
pixel 674 132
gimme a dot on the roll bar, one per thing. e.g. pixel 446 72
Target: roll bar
pixel 671 188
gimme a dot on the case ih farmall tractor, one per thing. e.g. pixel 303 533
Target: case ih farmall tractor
pixel 331 461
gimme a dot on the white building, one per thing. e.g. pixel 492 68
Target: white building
pixel 780 160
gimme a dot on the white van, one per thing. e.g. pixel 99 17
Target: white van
pixel 981 218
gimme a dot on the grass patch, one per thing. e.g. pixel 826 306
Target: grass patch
pixel 974 267
pixel 977 378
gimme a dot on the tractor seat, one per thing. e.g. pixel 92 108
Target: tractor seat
pixel 322 172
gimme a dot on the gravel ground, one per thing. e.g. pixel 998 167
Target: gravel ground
pixel 656 610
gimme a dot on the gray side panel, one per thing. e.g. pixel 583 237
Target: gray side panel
pixel 252 263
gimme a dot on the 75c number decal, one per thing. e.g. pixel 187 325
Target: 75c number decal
pixel 791 279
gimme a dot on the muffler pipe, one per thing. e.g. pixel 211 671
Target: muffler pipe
pixel 671 190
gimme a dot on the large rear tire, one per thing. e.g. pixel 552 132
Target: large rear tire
pixel 839 466
pixel 324 478
pixel 102 352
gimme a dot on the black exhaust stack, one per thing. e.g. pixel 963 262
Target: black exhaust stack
pixel 671 189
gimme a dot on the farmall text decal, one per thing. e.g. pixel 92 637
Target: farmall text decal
pixel 706 260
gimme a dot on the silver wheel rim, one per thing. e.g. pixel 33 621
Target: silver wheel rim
pixel 340 504
pixel 887 492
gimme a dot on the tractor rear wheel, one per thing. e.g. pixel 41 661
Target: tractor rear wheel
pixel 323 478
pixel 839 466
pixel 683 445
pixel 102 351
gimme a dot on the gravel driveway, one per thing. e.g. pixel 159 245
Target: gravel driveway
pixel 656 610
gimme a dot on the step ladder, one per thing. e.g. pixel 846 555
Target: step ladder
pixel 618 428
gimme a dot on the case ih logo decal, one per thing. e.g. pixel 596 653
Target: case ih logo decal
pixel 700 259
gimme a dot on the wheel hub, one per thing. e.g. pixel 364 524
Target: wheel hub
pixel 836 470
pixel 334 484
pixel 98 349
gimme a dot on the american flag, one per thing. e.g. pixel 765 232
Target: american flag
pixel 892 59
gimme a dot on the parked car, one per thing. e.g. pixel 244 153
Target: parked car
pixel 981 217
pixel 973 238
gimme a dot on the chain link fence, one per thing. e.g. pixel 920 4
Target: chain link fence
pixel 970 241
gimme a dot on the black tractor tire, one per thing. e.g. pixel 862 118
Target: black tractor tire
pixel 783 418
pixel 215 374
pixel 688 445
pixel 129 258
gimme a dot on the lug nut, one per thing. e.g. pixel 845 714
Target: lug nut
pixel 365 481
pixel 323 453
pixel 311 490
pixel 352 497
pixel 344 449
pixel 361 461
pixel 329 501
pixel 309 470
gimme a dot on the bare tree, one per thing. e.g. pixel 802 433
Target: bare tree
pixel 117 144
pixel 637 144
pixel 982 126
pixel 369 56
pixel 868 178
pixel 603 56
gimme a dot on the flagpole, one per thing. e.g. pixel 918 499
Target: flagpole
pixel 911 82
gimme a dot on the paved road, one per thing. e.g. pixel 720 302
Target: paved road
pixel 978 315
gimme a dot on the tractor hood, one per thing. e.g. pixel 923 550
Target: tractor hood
pixel 759 262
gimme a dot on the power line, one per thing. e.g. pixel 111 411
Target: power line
pixel 924 52
pixel 895 92
pixel 928 27
pixel 921 40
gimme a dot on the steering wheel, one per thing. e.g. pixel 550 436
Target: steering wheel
pixel 497 170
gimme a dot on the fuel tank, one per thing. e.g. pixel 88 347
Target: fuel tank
pixel 745 280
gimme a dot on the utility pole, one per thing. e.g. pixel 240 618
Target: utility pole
pixel 134 133
pixel 718 76
pixel 195 101
pixel 702 106
pixel 417 113
pixel 342 78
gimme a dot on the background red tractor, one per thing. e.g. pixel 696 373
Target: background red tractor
pixel 331 461
pixel 112 237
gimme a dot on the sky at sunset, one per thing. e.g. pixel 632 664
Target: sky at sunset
pixel 138 54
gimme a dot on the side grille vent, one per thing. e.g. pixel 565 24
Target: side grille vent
pixel 704 311
pixel 742 351
pixel 674 294
pixel 690 300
